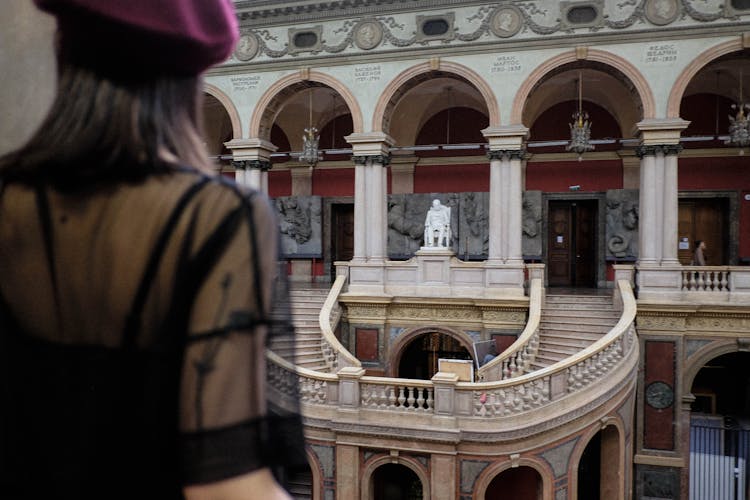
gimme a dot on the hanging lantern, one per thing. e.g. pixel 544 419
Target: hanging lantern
pixel 739 126
pixel 580 128
pixel 310 139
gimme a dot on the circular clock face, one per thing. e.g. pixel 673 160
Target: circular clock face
pixel 659 395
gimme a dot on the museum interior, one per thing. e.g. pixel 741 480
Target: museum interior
pixel 489 214
pixel 544 333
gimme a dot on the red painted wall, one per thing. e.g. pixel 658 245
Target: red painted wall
pixel 279 183
pixel 333 182
pixel 558 176
pixel 451 178
pixel 723 173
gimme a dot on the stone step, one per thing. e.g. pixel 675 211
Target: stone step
pixel 562 328
pixel 551 297
pixel 553 322
pixel 557 349
pixel 576 314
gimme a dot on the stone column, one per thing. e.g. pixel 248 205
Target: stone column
pixel 301 178
pixel 371 157
pixel 506 191
pixel 658 191
pixel 251 159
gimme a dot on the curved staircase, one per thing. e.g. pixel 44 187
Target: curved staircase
pixel 569 324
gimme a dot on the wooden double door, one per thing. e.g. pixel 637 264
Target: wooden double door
pixel 571 243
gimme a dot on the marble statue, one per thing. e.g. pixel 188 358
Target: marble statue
pixel 437 226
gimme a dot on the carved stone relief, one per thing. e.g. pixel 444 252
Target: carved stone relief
pixel 506 21
pixel 531 224
pixel 622 224
pixel 473 225
pixel 247 47
pixel 406 216
pixel 469 223
pixel 300 226
pixel 366 30
pixel 368 34
pixel 661 12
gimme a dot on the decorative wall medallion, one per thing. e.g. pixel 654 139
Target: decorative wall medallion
pixel 305 39
pixel 368 35
pixel 247 47
pixel 581 14
pixel 506 21
pixel 659 395
pixel 661 12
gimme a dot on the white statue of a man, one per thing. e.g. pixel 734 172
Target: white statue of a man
pixel 437 225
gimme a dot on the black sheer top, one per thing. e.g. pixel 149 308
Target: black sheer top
pixel 133 326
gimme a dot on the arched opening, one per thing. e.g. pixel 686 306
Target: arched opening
pixel 519 483
pixel 217 129
pixel 396 482
pixel 572 240
pixel 715 101
pixel 720 428
pixel 299 482
pixel 420 358
pixel 599 468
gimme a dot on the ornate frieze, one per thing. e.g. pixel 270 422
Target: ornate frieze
pixel 263 165
pixel 654 149
pixel 360 26
pixel 383 160
pixel 506 154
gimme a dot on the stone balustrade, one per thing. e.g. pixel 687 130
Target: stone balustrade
pixel 515 360
pixel 695 284
pixel 444 395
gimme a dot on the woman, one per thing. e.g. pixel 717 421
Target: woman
pixel 699 259
pixel 137 289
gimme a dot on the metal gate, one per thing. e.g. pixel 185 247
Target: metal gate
pixel 718 459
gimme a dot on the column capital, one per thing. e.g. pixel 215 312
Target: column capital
pixel 251 149
pixel 662 131
pixel 507 137
pixel 654 149
pixel 382 159
pixel 506 154
pixel 375 143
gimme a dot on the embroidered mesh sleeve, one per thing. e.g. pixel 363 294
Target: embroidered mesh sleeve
pixel 235 416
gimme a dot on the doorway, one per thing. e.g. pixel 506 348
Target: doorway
pixel 342 234
pixel 571 243
pixel 420 358
pixel 396 482
pixel 703 219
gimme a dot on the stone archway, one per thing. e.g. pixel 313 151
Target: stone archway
pixel 407 339
pixel 525 478
pixel 390 467
pixel 229 107
pixel 599 461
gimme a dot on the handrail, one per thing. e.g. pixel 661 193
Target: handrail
pixel 517 358
pixel 342 357
pixel 619 330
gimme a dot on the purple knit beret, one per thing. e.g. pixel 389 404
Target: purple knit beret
pixel 145 38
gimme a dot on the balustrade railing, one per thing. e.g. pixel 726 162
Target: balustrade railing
pixel 706 279
pixel 397 394
pixel 444 395
pixel 517 358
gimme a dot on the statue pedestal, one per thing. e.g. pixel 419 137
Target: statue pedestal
pixel 434 271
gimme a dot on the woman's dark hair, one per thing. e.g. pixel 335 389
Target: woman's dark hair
pixel 698 243
pixel 101 129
